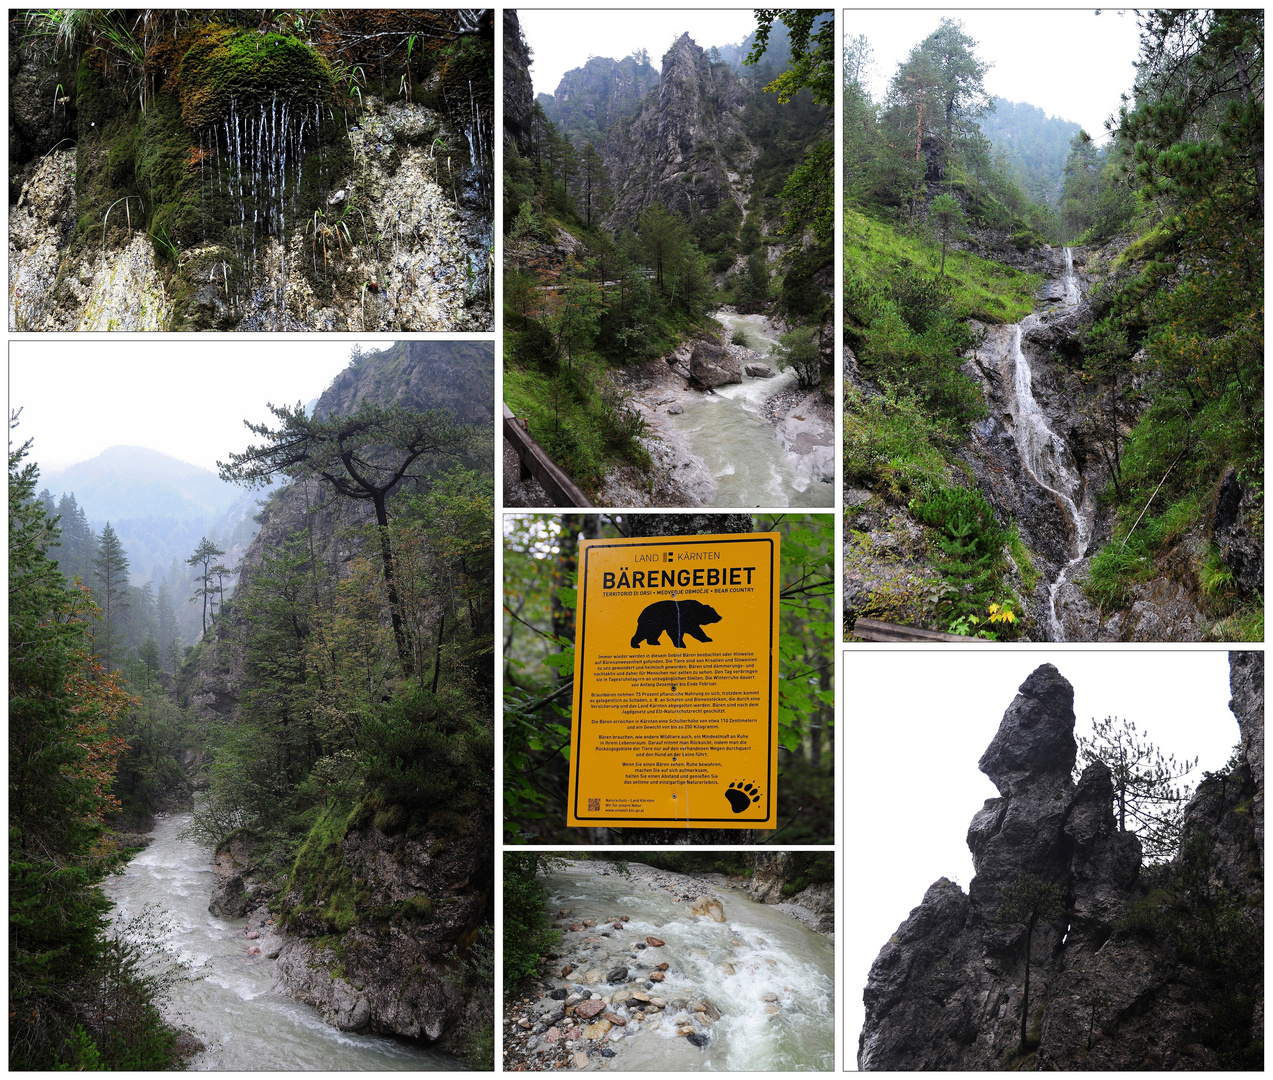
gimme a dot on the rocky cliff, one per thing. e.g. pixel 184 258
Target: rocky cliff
pixel 519 97
pixel 1127 966
pixel 675 150
pixel 592 99
pixel 217 174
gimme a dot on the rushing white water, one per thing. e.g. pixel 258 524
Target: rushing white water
pixel 757 953
pixel 225 997
pixel 1045 455
pixel 729 431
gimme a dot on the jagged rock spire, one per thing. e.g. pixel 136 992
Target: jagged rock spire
pixel 947 990
pixel 1036 736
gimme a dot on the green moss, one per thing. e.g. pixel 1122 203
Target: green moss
pixel 320 875
pixel 226 66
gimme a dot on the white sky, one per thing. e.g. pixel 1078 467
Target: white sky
pixel 184 398
pixel 562 40
pixel 1070 63
pixel 917 722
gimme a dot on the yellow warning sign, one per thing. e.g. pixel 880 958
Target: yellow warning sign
pixel 675 719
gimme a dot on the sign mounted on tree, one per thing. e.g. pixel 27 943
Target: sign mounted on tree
pixel 675 720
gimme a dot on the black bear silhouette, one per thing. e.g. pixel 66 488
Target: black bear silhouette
pixel 678 618
pixel 741 795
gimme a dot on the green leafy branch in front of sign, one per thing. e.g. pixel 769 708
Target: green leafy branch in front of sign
pixel 806 675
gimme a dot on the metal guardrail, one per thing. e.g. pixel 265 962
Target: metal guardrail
pixel 878 630
pixel 535 462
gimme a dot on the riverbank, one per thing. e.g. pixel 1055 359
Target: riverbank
pixel 223 992
pixel 760 442
pixel 661 971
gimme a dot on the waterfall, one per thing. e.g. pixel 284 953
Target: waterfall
pixel 1046 456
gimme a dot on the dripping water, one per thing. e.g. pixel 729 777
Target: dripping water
pixel 262 149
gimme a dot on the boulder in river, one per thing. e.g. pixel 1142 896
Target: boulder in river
pixel 710 906
pixel 712 366
pixel 231 899
pixel 757 370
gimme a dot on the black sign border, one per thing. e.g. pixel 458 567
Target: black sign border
pixel 581 647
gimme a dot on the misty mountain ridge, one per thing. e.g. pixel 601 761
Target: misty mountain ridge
pixel 135 482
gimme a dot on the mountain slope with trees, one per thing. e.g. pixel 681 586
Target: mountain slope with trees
pixel 1153 381
pixel 619 242
pixel 347 692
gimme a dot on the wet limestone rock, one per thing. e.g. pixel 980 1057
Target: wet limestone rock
pixel 711 365
pixel 1117 981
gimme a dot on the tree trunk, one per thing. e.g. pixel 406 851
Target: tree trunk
pixel 1025 1003
pixel 686 525
pixel 391 585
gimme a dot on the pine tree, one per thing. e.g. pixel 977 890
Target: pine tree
pixel 364 456
pixel 594 183
pixel 169 631
pixel 204 556
pixel 1147 799
pixel 111 569
pixel 61 765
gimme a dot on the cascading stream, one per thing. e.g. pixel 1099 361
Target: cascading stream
pixel 225 996
pixel 770 977
pixel 729 431
pixel 1045 455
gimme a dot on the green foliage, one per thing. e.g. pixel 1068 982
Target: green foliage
pixel 320 878
pixel 1096 202
pixel 799 349
pixel 527 935
pixel 876 254
pixel 432 755
pixel 1190 142
pixel 893 444
pixel 972 543
pixel 1147 799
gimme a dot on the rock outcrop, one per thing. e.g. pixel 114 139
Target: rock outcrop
pixel 519 97
pixel 673 152
pixel 1122 973
pixel 393 971
pixel 592 99
pixel 177 215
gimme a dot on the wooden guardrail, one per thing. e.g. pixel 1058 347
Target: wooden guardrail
pixel 535 462
pixel 878 630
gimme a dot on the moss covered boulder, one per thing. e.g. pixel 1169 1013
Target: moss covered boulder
pixel 227 67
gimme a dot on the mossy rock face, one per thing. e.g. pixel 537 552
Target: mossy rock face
pixel 225 67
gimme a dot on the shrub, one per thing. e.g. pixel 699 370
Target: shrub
pixel 527 934
pixel 891 443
